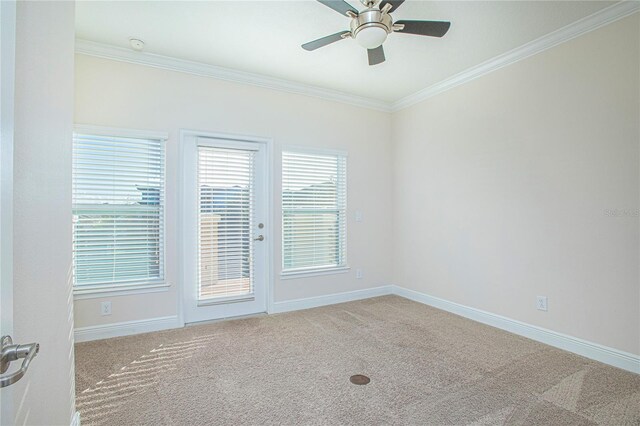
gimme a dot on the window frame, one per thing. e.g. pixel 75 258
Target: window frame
pixel 135 286
pixel 314 270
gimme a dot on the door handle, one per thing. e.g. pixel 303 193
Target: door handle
pixel 259 238
pixel 11 352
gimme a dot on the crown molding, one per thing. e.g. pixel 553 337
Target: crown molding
pixel 100 50
pixel 582 26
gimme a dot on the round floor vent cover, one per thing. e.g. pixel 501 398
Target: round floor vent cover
pixel 359 379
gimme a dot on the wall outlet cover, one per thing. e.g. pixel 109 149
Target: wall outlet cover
pixel 105 308
pixel 541 303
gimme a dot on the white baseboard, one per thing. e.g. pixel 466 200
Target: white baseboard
pixel 595 351
pixel 75 421
pixel 96 332
pixel 607 355
pixel 330 299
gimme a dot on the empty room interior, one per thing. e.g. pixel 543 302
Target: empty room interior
pixel 320 212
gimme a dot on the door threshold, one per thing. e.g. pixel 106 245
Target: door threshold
pixel 225 300
pixel 213 321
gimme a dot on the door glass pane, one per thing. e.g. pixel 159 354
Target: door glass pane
pixel 226 211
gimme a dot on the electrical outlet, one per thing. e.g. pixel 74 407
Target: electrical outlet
pixel 541 303
pixel 105 308
pixel 359 274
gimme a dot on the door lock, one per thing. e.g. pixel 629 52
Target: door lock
pixel 259 238
pixel 9 353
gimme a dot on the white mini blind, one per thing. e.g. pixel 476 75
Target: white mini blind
pixel 118 210
pixel 226 212
pixel 314 208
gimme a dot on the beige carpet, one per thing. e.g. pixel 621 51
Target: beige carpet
pixel 427 367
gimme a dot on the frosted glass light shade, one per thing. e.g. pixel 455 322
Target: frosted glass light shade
pixel 371 37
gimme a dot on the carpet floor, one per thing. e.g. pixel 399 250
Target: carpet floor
pixel 427 367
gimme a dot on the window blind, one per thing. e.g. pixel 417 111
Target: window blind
pixel 314 207
pixel 226 212
pixel 118 210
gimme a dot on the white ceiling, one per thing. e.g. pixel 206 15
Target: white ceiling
pixel 264 37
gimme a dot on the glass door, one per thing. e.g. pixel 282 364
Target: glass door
pixel 225 252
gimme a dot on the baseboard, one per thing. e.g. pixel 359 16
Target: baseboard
pixel 330 299
pixel 75 421
pixel 604 354
pixel 127 328
pixel 595 351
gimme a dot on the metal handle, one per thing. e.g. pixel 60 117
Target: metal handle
pixel 259 238
pixel 11 352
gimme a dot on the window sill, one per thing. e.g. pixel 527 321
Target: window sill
pixel 289 275
pixel 119 290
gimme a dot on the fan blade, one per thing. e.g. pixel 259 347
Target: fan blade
pixel 376 56
pixel 394 4
pixel 339 6
pixel 426 28
pixel 316 44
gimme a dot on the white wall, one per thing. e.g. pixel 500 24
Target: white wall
pixel 7 101
pixel 118 94
pixel 42 209
pixel 504 188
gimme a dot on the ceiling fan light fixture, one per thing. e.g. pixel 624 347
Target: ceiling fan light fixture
pixel 371 36
pixel 371 26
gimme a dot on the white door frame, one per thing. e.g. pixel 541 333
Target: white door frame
pixel 7 93
pixel 189 136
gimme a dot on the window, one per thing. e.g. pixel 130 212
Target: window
pixel 314 207
pixel 118 211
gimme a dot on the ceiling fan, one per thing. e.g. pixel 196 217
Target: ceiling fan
pixel 371 26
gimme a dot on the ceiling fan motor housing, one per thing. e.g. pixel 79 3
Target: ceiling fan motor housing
pixel 377 21
pixel 371 18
